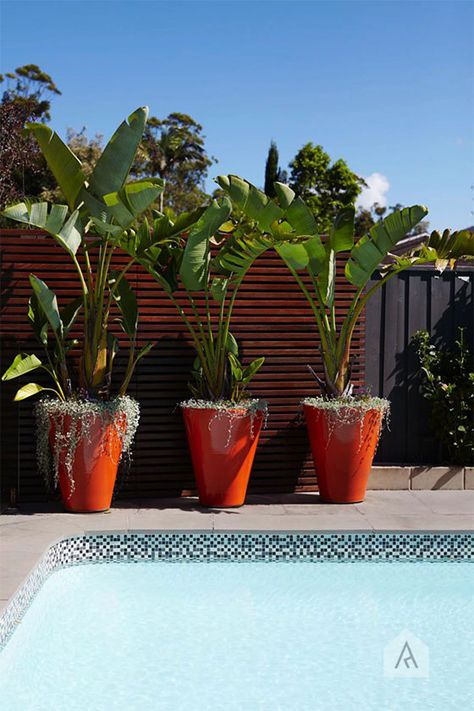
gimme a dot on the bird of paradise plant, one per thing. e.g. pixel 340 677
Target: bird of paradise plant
pixel 95 222
pixel 292 231
pixel 99 216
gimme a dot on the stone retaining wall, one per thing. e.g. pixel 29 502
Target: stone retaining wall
pixel 415 478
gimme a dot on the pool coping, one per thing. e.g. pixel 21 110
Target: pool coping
pixel 27 534
pixel 231 546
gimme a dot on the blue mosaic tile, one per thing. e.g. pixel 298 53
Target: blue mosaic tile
pixel 234 547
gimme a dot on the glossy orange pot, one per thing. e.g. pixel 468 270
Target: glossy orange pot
pixel 343 445
pixel 222 445
pixel 89 486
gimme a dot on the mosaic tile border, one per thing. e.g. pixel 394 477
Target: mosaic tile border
pixel 233 547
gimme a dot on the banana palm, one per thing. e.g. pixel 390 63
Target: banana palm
pixel 206 263
pixel 99 217
pixel 290 225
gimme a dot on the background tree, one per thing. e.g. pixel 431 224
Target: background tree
pixel 366 218
pixel 273 172
pixel 19 155
pixel 173 150
pixel 26 97
pixel 326 188
pixel 32 86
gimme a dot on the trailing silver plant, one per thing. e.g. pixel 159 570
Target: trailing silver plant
pixel 123 412
pixel 350 411
pixel 232 412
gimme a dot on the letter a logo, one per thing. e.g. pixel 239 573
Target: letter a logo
pixel 406 656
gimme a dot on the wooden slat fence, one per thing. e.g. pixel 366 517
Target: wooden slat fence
pixel 272 319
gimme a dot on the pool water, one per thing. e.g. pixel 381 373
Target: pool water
pixel 269 636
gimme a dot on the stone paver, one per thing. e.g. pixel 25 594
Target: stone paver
pixel 25 535
pixel 447 502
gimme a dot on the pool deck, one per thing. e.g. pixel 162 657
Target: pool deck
pixel 25 535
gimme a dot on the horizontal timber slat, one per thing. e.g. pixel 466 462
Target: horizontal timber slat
pixel 272 319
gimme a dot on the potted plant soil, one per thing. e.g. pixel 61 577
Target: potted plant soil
pixel 222 420
pixel 343 426
pixel 83 427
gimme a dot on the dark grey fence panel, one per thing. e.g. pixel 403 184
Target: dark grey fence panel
pixel 417 299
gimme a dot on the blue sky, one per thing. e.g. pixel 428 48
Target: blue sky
pixel 386 85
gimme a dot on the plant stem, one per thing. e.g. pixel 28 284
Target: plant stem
pixel 194 337
pixel 322 334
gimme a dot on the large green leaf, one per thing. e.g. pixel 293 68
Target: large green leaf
pixel 69 313
pixel 165 229
pixel 113 166
pixel 237 254
pixel 341 239
pixel 144 350
pixel 301 218
pixel 294 254
pixel 341 236
pixel 257 206
pixel 219 289
pixel 284 194
pixel 194 269
pixel 442 250
pixel 316 255
pixel 48 303
pixel 231 344
pixel 64 165
pixel 371 250
pixel 126 300
pixel 251 370
pixel 133 199
pixel 104 228
pixel 452 245
pixel 52 219
pixel 29 390
pixel 289 220
pixel 38 320
pixel 22 364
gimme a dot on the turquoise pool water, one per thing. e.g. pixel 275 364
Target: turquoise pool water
pixel 185 636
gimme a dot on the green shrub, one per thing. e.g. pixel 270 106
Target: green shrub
pixel 447 381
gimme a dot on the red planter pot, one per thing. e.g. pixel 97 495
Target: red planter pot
pixel 222 445
pixel 89 485
pixel 343 445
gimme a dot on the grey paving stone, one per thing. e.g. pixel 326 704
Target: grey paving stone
pixel 399 502
pixel 432 522
pixel 448 502
pixel 319 522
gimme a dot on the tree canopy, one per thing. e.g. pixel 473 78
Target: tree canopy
pixel 26 97
pixel 31 86
pixel 173 149
pixel 325 187
pixel 273 172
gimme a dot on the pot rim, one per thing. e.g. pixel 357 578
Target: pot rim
pixel 246 406
pixel 356 404
pixel 114 405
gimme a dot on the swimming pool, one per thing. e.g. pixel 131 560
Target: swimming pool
pixel 228 621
